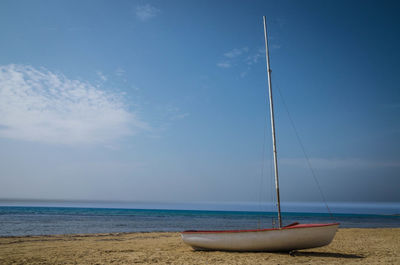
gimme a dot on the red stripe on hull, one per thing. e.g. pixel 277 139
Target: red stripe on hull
pixel 259 230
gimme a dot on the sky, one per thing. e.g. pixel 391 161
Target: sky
pixel 166 100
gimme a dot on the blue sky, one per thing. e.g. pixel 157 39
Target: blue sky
pixel 165 100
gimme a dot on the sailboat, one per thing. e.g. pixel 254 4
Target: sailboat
pixel 292 237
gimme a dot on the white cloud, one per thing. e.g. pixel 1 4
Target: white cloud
pixel 119 71
pixel 235 57
pixel 275 46
pixel 146 12
pixel 180 116
pixel 236 52
pixel 41 106
pixel 224 64
pixel 101 76
pixel 175 113
pixel 252 59
pixel 231 57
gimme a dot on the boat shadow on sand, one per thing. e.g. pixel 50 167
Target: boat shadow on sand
pixel 299 254
pixel 325 254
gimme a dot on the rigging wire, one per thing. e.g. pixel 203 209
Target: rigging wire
pixel 260 199
pixel 304 152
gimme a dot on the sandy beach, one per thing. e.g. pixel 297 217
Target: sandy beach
pixel 350 246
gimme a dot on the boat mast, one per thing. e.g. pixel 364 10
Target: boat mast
pixel 271 105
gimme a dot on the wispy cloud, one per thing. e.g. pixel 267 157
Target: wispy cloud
pixel 42 106
pixel 236 52
pixel 231 57
pixel 146 12
pixel 224 64
pixel 166 116
pixel 243 58
pixel 101 76
pixel 275 46
pixel 175 113
pixel 253 58
pixel 119 71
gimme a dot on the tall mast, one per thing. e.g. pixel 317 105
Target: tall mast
pixel 271 105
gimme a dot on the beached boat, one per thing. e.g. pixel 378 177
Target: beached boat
pixel 292 237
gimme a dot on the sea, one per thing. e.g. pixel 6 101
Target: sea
pixel 19 218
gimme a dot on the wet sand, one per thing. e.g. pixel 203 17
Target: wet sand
pixel 350 246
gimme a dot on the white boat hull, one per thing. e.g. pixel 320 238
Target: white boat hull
pixel 300 236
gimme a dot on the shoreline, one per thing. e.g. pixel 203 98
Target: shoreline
pixel 153 232
pixel 350 246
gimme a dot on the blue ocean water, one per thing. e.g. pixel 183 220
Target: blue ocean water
pixel 19 221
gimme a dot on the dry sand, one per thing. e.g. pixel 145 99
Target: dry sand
pixel 350 246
